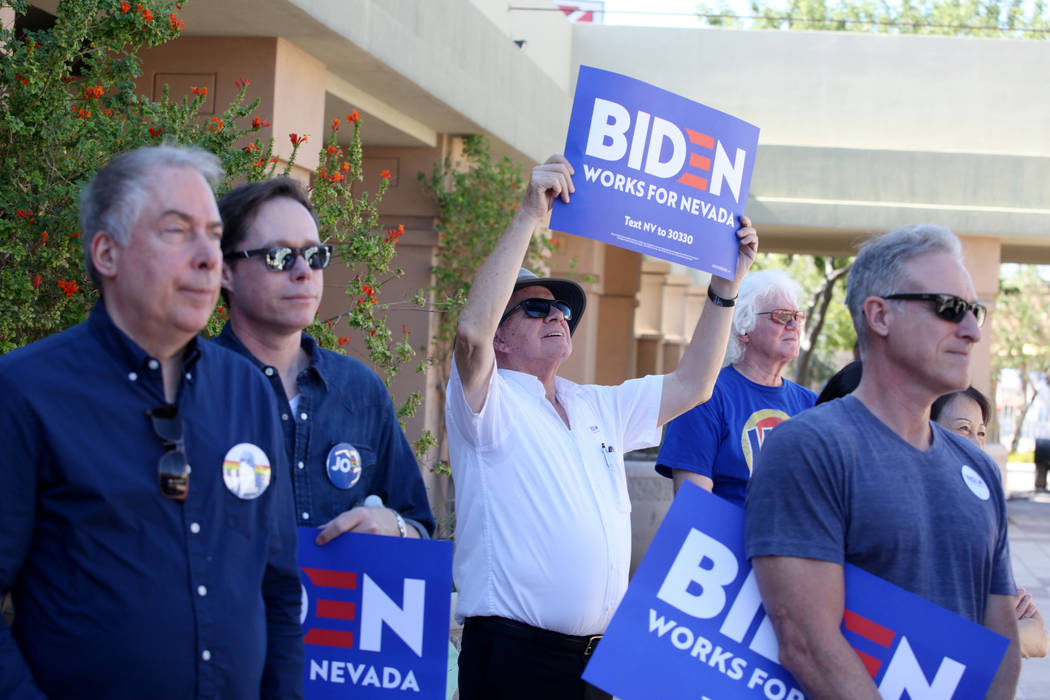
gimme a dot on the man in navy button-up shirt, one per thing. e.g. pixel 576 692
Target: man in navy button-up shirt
pixel 145 517
pixel 341 433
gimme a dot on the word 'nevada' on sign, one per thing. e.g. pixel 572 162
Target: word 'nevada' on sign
pixel 692 618
pixel 655 172
pixel 375 616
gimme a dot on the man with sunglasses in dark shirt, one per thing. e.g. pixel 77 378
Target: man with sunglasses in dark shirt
pixel 543 531
pixel 351 467
pixel 142 562
pixel 869 480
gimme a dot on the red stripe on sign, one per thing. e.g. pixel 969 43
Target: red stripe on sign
pixel 870 662
pixel 693 181
pixel 883 636
pixel 330 638
pixel 331 579
pixel 701 139
pixel 699 162
pixel 335 609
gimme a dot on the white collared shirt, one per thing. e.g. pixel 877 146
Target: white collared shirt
pixel 543 521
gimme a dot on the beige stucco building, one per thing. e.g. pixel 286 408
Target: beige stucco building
pixel 860 134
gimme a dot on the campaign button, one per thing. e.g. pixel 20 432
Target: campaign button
pixel 246 471
pixel 343 465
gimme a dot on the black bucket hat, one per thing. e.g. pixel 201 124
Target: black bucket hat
pixel 563 290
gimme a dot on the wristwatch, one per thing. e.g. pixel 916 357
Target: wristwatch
pixel 400 524
pixel 719 301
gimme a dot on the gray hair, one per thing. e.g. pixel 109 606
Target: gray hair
pixel 879 267
pixel 757 288
pixel 115 197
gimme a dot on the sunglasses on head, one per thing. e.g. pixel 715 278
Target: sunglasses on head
pixel 784 316
pixel 282 258
pixel 173 470
pixel 947 306
pixel 539 308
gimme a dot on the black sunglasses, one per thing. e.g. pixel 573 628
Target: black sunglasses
pixel 947 306
pixel 539 308
pixel 282 258
pixel 173 470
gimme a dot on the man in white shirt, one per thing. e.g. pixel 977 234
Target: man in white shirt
pixel 543 519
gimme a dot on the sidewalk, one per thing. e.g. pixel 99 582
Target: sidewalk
pixel 1029 513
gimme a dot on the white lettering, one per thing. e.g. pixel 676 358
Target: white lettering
pixel 687 569
pixel 371 678
pixel 410 682
pixel 355 672
pixel 609 122
pixel 406 622
pixel 391 677
pixel 730 173
pixel 905 675
pixel 337 671
pixel 682 638
pixel 775 689
pixel 665 130
pixel 658 623
pixel 318 669
pixel 641 130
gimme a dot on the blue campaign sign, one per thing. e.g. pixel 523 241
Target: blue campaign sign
pixel 375 616
pixel 692 624
pixel 655 172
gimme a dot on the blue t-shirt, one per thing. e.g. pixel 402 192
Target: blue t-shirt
pixel 839 485
pixel 720 438
pixel 120 592
pixel 344 442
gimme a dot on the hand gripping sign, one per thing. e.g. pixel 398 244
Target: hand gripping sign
pixel 375 616
pixel 692 625
pixel 655 172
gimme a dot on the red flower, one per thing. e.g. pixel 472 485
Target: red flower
pixel 344 340
pixel 346 166
pixel 92 92
pixel 251 147
pixel 21 214
pixel 81 113
pixel 352 117
pixel 216 125
pixel 335 177
pixel 22 79
pixel 176 23
pixel 404 328
pixel 147 16
pixel 36 282
pixel 335 124
pixel 333 150
pixel 69 287
pixel 296 139
pixel 199 91
pixel 557 243
pixel 43 238
pixel 74 235
pixel 385 174
pixel 155 132
pixel 223 312
pixel 259 123
pixel 393 235
pixel 242 83
pixel 125 7
pixel 260 163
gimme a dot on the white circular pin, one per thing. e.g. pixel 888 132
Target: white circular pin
pixel 343 465
pixel 975 483
pixel 246 471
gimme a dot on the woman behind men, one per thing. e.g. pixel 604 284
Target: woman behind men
pixel 714 445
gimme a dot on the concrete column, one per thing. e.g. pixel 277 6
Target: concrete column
pixel 589 257
pixel 648 318
pixel 290 83
pixel 617 353
pixel 673 322
pixel 982 257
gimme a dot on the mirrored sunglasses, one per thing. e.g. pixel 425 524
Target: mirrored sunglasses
pixel 784 316
pixel 539 308
pixel 282 258
pixel 173 469
pixel 947 306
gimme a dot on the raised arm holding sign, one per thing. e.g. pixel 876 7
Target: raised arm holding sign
pixel 538 462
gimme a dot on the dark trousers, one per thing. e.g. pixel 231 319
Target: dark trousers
pixel 503 659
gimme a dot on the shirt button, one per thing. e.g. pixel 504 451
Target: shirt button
pixel 306 516
pixel 268 371
pixel 132 376
pixel 302 416
pixel 206 655
pixel 284 416
pixel 153 364
pixel 301 465
pixel 202 591
pixel 195 528
pixel 189 377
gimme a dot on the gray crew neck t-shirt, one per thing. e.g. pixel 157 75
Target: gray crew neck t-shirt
pixel 837 484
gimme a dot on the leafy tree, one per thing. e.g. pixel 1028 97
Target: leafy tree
pixel 1021 340
pixel 68 104
pixel 992 18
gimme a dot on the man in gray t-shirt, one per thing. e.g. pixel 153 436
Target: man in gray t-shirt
pixel 869 480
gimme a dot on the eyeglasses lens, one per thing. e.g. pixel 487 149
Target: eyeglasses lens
pixel 541 308
pixel 173 470
pixel 282 258
pixel 784 316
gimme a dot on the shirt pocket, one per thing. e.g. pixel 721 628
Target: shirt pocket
pixel 241 514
